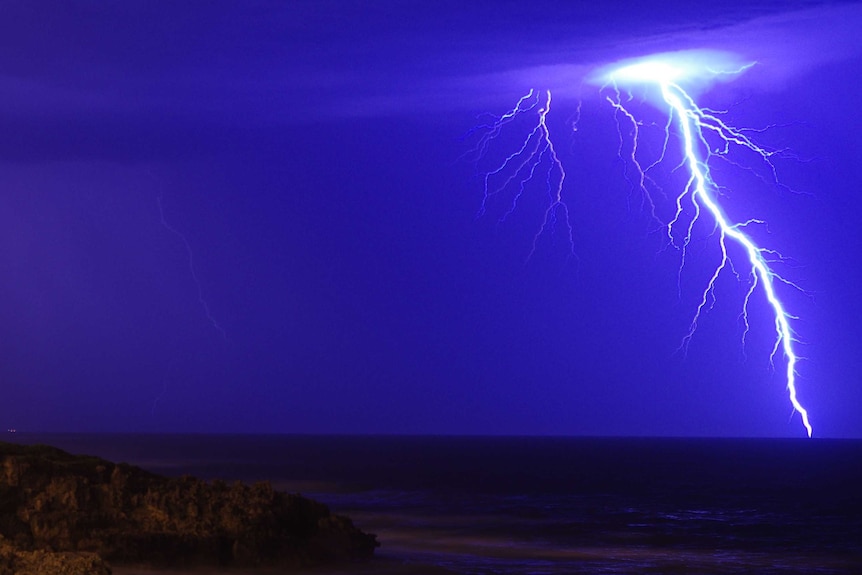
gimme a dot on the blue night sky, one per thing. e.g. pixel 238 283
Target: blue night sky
pixel 261 217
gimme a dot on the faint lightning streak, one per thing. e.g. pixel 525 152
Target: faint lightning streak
pixel 192 271
pixel 159 397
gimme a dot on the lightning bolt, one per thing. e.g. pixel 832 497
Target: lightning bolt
pixel 700 191
pixel 535 158
pixel 666 74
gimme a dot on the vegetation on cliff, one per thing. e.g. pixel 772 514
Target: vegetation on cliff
pixel 51 501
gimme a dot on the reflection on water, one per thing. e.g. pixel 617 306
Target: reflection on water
pixel 531 541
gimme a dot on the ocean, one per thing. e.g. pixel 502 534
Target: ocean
pixel 547 505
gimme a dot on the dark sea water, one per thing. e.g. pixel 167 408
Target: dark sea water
pixel 548 505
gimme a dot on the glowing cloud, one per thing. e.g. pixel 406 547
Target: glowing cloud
pixel 695 70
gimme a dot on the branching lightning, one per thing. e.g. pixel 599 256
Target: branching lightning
pixel 699 129
pixel 693 123
pixel 535 158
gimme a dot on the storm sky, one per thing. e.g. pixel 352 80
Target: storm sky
pixel 261 217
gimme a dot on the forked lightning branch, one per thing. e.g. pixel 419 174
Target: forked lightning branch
pixel 668 80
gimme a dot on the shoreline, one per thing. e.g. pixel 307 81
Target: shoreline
pixel 573 506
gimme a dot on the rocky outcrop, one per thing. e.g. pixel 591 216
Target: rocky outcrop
pixel 16 562
pixel 53 501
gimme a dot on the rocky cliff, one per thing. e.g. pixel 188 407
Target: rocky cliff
pixel 51 501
